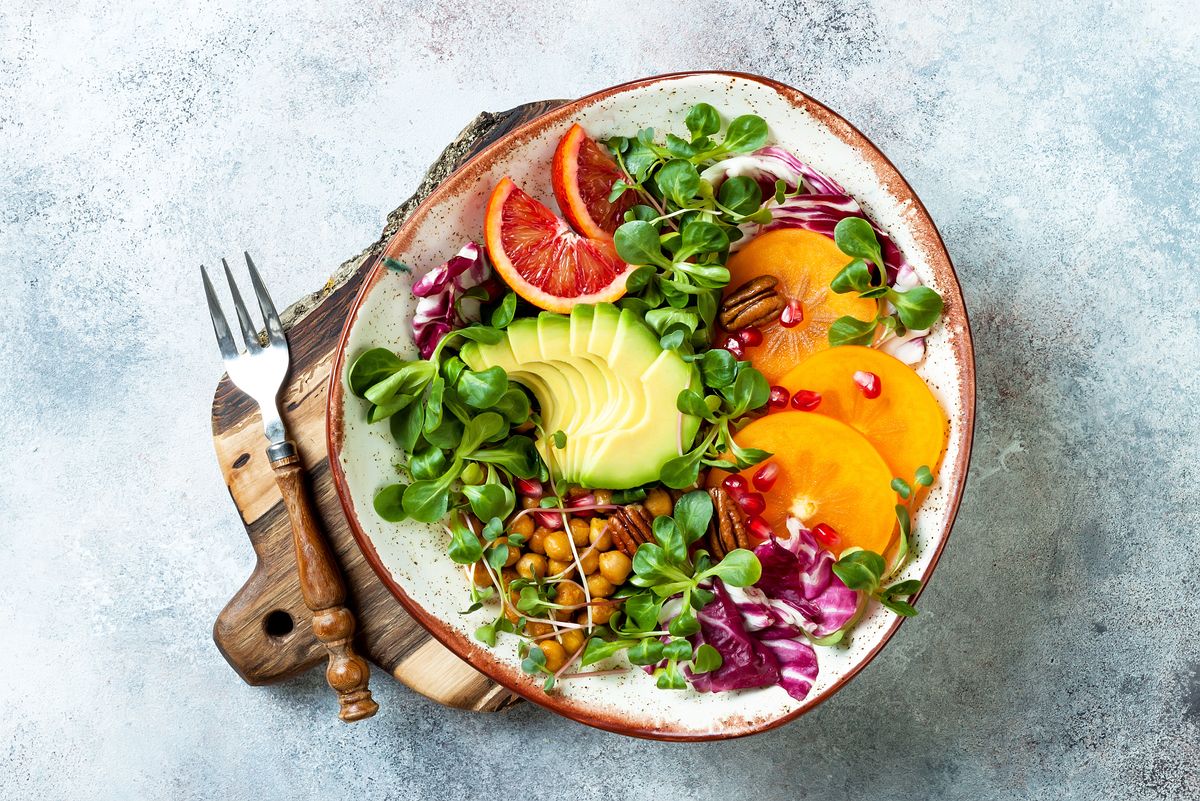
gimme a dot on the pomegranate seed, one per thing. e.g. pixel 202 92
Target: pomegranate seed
pixel 869 383
pixel 587 499
pixel 752 503
pixel 806 400
pixel 792 314
pixel 551 520
pixel 765 476
pixel 778 398
pixel 735 485
pixel 826 535
pixel 734 346
pixel 750 337
pixel 530 488
pixel 760 528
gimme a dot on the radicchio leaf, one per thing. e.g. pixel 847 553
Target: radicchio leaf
pixel 441 306
pixel 746 661
pixel 799 581
pixel 797 665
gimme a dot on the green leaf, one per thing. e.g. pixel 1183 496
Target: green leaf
pixel 666 531
pixel 428 463
pixel 924 476
pixel 452 368
pixel 692 513
pixel 750 391
pixel 702 120
pixel 855 237
pixel 718 368
pixel 483 388
pixel 598 650
pixel 679 650
pixel 706 276
pixel 389 408
pixel 486 635
pixel 409 379
pixel 535 662
pixel 493 528
pixel 901 488
pixel 660 320
pixel 397 266
pixel 905 521
pixel 389 503
pixel 707 659
pixel 682 471
pixel 559 438
pixel 639 159
pixel 497 555
pixel 370 368
pixel 702 237
pixel 692 402
pixel 490 500
pixel 918 308
pixel 852 331
pixel 680 148
pixel 670 677
pixel 902 608
pixel 903 588
pixel 651 564
pixel 517 455
pixel 677 180
pixel 638 279
pixel 503 314
pixel 513 406
pixel 673 339
pixel 740 194
pixel 478 430
pixel 643 610
pixel 406 426
pixel 739 568
pixel 685 623
pixel 860 570
pixel 465 548
pixel 481 333
pixel 646 652
pixel 854 277
pixel 745 133
pixel 637 243
pixel 427 501
pixel 448 434
pixel 433 403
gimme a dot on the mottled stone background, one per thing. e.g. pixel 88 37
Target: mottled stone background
pixel 1056 145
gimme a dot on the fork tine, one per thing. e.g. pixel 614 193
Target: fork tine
pixel 249 334
pixel 274 327
pixel 220 326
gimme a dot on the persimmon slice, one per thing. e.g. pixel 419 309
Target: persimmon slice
pixel 828 473
pixel 804 262
pixel 904 422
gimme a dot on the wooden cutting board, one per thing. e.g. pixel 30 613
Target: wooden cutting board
pixel 264 631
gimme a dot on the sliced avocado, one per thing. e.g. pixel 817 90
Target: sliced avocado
pixel 602 378
pixel 637 452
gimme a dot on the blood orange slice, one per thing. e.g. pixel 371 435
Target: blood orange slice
pixel 584 173
pixel 542 259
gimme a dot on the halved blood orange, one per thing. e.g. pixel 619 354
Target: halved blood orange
pixel 542 259
pixel 804 262
pixel 828 473
pixel 584 173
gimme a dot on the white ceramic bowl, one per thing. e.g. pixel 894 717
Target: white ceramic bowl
pixel 411 558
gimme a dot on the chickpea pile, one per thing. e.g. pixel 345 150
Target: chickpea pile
pixel 549 555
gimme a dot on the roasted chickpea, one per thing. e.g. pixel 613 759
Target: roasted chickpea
pixel 601 613
pixel 572 640
pixel 602 496
pixel 522 526
pixel 556 655
pixel 599 535
pixel 579 531
pixel 569 594
pixel 589 560
pixel 508 575
pixel 527 502
pixel 599 586
pixel 537 540
pixel 558 546
pixel 536 629
pixel 531 565
pixel 512 614
pixel 556 567
pixel 658 502
pixel 480 575
pixel 615 567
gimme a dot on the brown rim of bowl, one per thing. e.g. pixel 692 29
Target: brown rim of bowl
pixel 483 660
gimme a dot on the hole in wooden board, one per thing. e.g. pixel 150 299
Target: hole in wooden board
pixel 241 461
pixel 278 623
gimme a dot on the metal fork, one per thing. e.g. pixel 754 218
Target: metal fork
pixel 260 371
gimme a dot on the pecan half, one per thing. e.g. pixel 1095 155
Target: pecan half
pixel 727 531
pixel 753 303
pixel 631 526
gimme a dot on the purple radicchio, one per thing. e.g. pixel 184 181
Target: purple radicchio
pixel 798 578
pixel 746 661
pixel 441 306
pixel 769 164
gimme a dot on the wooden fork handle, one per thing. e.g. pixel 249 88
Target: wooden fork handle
pixel 323 590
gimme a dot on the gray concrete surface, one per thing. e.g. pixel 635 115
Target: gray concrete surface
pixel 1056 146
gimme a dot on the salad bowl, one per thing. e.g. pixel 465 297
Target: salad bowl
pixel 410 557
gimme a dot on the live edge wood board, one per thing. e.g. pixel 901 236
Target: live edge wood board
pixel 264 631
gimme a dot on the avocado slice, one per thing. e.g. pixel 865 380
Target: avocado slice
pixel 601 377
